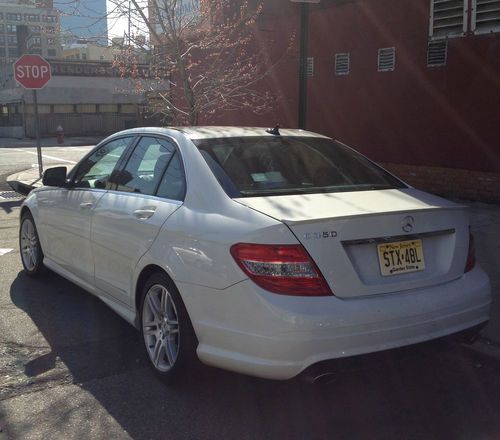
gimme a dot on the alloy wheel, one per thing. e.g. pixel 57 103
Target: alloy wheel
pixel 160 326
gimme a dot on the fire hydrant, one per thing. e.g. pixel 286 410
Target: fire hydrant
pixel 60 134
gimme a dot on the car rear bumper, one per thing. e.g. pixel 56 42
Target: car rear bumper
pixel 251 331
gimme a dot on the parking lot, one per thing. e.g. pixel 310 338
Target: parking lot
pixel 71 368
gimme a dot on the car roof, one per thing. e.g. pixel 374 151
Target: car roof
pixel 214 132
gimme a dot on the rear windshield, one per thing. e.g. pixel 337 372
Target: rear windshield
pixel 266 166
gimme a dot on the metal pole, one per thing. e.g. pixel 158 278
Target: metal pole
pixel 304 36
pixel 37 133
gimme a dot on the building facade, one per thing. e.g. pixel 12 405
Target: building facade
pixel 414 84
pixel 85 98
pixel 38 26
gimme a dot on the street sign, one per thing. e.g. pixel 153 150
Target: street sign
pixel 32 71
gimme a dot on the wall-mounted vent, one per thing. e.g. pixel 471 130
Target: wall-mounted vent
pixel 386 59
pixel 485 16
pixel 448 18
pixel 342 63
pixel 310 67
pixel 437 53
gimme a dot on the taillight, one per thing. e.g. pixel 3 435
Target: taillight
pixel 282 269
pixel 471 254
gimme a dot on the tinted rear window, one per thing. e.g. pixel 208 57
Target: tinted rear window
pixel 263 166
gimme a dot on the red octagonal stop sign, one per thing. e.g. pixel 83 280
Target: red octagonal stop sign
pixel 32 71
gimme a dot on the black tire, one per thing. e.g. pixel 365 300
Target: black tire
pixel 30 249
pixel 185 338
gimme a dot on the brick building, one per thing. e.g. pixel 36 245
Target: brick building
pixel 414 84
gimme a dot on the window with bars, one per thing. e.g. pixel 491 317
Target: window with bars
pixel 342 63
pixel 448 18
pixel 386 59
pixel 437 53
pixel 485 16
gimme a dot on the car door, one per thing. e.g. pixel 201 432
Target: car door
pixel 126 220
pixel 65 213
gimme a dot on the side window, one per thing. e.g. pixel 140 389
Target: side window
pixel 146 165
pixel 173 184
pixel 96 170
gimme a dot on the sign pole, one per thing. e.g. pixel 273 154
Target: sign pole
pixel 37 133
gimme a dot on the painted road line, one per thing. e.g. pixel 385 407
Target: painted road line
pixel 46 156
pixel 4 251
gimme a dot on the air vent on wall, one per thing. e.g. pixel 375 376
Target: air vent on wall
pixel 310 66
pixel 437 53
pixel 342 61
pixel 448 18
pixel 386 59
pixel 486 16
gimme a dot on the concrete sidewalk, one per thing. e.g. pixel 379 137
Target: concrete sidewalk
pixel 485 224
pixel 50 142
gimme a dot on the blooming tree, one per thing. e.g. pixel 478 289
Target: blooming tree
pixel 210 50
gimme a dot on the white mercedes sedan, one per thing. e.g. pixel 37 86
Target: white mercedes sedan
pixel 258 251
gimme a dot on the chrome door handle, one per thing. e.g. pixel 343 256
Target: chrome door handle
pixel 143 214
pixel 87 205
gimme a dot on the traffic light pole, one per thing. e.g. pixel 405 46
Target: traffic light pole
pixel 37 133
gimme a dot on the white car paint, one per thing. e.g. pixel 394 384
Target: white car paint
pixel 239 325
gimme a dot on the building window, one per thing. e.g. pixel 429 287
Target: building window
pixel 448 18
pixel 36 41
pixel 11 39
pixel 386 59
pixel 342 63
pixel 13 17
pixel 49 18
pixel 11 28
pixel 485 16
pixel 12 52
pixel 2 39
pixel 1 28
pixel 35 29
pixel 51 41
pixel 51 52
pixel 50 30
pixel 86 108
pixel 437 53
pixel 31 17
pixel 84 56
pixel 310 67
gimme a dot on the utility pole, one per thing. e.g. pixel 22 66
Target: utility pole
pixel 304 44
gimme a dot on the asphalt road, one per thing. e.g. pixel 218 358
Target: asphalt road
pixel 71 368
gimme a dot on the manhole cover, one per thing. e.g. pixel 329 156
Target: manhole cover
pixel 10 195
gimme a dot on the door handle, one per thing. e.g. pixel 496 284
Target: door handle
pixel 86 205
pixel 143 214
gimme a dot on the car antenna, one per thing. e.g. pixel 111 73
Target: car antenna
pixel 275 130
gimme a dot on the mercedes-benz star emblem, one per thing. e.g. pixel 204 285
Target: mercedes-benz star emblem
pixel 408 223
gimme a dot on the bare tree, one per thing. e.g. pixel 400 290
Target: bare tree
pixel 210 50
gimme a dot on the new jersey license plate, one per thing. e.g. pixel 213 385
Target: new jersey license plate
pixel 400 257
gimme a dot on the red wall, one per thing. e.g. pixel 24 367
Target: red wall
pixel 441 116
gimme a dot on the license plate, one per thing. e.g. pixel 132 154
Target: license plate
pixel 400 257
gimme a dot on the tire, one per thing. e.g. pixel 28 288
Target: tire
pixel 168 335
pixel 29 246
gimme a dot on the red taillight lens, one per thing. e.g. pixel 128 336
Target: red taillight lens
pixel 282 269
pixel 471 254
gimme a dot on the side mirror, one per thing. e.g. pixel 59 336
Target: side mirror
pixel 54 176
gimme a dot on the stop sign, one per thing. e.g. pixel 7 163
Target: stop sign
pixel 32 71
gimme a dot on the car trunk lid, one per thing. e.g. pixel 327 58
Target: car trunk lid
pixel 352 236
